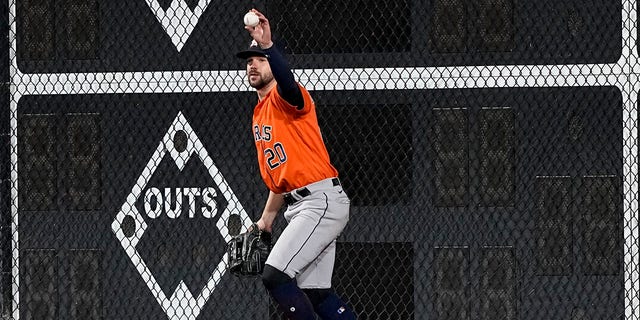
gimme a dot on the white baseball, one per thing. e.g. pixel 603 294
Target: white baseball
pixel 251 19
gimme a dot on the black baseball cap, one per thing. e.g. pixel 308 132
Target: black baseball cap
pixel 253 51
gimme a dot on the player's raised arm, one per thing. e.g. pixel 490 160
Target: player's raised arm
pixel 287 85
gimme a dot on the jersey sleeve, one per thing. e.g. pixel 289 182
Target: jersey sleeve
pixel 289 108
pixel 287 85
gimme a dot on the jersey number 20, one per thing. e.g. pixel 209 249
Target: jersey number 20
pixel 276 156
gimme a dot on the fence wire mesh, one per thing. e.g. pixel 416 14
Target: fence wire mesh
pixel 489 149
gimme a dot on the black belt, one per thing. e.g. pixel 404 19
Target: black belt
pixel 290 199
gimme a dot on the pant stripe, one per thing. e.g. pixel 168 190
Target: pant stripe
pixel 326 201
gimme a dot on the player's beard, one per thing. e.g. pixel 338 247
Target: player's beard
pixel 262 81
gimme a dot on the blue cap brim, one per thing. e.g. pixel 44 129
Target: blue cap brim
pixel 253 51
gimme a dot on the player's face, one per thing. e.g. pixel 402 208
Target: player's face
pixel 258 72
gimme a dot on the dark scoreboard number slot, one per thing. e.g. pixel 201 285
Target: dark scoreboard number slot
pixel 464 26
pixel 61 284
pixel 451 157
pixel 60 162
pixel 38 174
pixel 36 27
pixel 553 226
pixel 56 30
pixel 578 212
pixel 451 144
pixel 39 293
pixel 451 283
pixel 86 277
pixel 498 279
pixel 80 28
pixel 601 227
pixel 497 157
pixel 83 137
pixel 453 276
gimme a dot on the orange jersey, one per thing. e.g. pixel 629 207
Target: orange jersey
pixel 291 152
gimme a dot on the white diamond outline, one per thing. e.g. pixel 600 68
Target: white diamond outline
pixel 181 158
pixel 178 21
pixel 182 305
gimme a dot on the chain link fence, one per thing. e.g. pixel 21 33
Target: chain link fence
pixel 489 148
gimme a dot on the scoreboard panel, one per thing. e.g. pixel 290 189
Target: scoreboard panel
pixel 553 211
pixel 95 36
pixel 529 174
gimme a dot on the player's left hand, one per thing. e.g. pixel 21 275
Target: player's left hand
pixel 248 252
pixel 262 32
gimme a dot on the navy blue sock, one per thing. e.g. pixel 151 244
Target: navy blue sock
pixel 292 301
pixel 333 308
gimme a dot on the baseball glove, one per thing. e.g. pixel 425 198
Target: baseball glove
pixel 248 252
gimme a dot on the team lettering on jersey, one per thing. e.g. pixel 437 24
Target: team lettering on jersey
pixel 275 155
pixel 263 133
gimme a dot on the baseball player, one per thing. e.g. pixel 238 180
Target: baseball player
pixel 295 166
